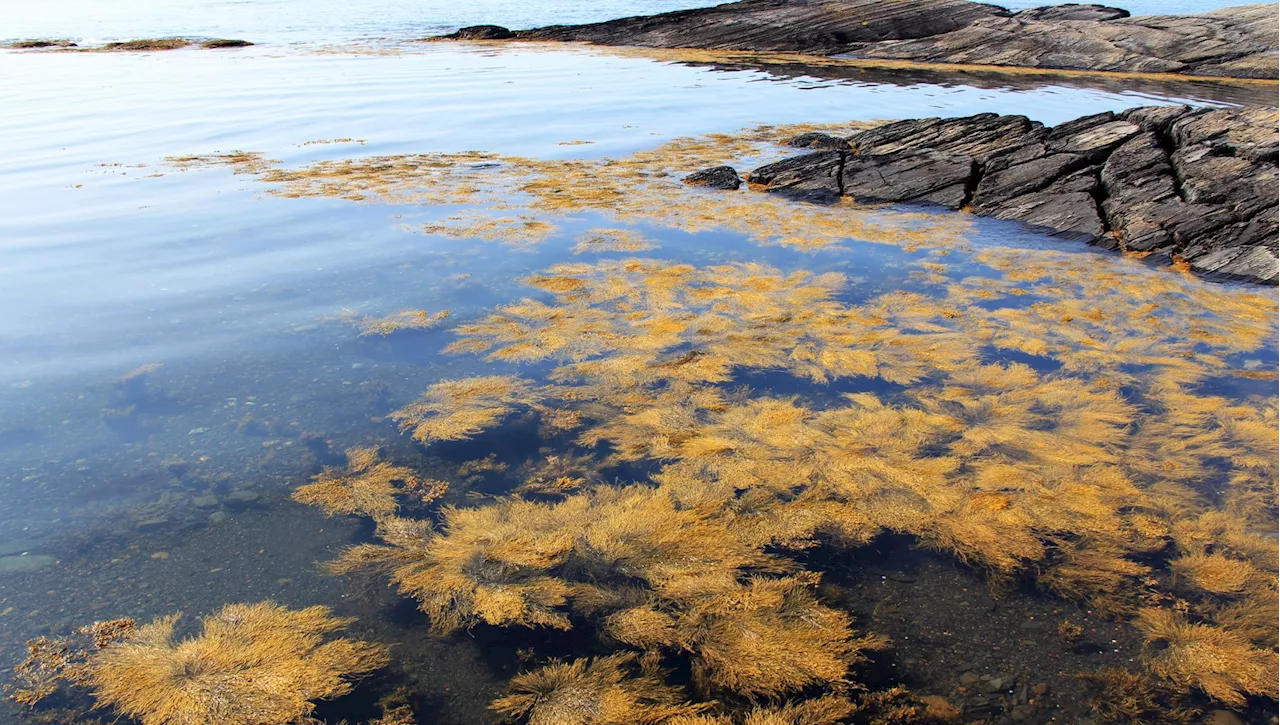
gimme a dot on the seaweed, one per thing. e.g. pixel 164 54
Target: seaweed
pixel 1046 419
pixel 252 664
pixel 458 409
pixel 619 689
pixel 395 322
pixel 367 487
pixel 1222 663
pixel 1131 698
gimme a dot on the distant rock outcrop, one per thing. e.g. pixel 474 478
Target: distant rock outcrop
pixel 1233 42
pixel 799 26
pixel 1238 42
pixel 1197 183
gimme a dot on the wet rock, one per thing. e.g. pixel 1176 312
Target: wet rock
pixel 716 177
pixel 969 679
pixel 811 177
pixel 218 517
pixel 817 140
pixel 481 32
pixel 25 563
pixel 148 44
pixel 225 43
pixel 1021 713
pixel 151 524
pixel 242 499
pixel 1001 182
pixel 1040 689
pixel 927 177
pixel 17 546
pixel 207 501
pixel 39 43
pixel 981 137
pixel 1200 184
pixel 938 708
pixel 993 685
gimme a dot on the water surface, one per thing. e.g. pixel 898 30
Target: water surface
pixel 183 350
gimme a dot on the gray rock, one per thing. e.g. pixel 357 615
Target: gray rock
pixel 207 501
pixel 152 524
pixel 1201 184
pixel 981 137
pixel 481 32
pixel 1238 42
pixel 818 140
pixel 803 26
pixel 810 177
pixel 928 176
pixel 1072 11
pixel 17 546
pixel 1001 184
pixel 716 177
pixel 25 563
pixel 242 499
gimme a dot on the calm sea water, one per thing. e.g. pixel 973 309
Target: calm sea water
pixel 140 498
pixel 299 20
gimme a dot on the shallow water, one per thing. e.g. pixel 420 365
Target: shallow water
pixel 138 494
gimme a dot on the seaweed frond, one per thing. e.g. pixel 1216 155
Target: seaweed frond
pixel 1221 662
pixel 612 690
pixel 252 664
pixel 454 410
pixel 366 487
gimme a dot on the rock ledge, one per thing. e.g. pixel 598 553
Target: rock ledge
pixel 1195 184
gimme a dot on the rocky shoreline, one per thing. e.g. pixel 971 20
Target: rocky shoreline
pixel 1237 42
pixel 1197 186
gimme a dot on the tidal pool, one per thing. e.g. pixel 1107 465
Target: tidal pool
pixel 895 446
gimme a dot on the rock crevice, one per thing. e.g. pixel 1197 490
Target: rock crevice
pixel 1197 184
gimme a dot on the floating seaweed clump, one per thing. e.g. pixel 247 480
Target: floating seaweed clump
pixel 612 240
pixel 1222 663
pixel 518 195
pixel 397 322
pixel 615 690
pixel 457 409
pixel 252 664
pixel 660 574
pixel 367 487
pixel 825 710
pixel 241 162
pixel 53 662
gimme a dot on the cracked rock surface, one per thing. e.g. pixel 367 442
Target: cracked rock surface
pixel 1197 183
pixel 1238 42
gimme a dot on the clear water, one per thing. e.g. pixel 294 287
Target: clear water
pixel 111 258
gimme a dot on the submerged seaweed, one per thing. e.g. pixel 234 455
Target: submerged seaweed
pixel 252 664
pixel 1076 476
pixel 1033 414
